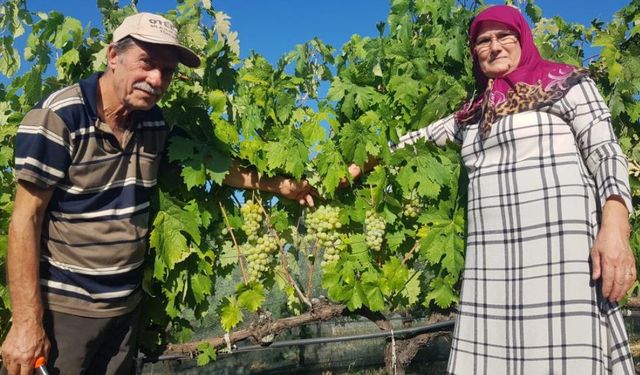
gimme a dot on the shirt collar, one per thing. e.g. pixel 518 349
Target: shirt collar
pixel 89 88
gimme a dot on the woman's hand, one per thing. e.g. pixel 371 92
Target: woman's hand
pixel 355 173
pixel 611 256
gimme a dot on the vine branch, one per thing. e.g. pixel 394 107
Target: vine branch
pixel 263 328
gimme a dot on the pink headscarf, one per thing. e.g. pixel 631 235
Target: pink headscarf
pixel 532 68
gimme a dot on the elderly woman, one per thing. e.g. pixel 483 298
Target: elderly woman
pixel 547 244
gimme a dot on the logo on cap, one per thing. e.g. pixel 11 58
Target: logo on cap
pixel 152 28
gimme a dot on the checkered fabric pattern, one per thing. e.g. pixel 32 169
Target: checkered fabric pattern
pixel 536 187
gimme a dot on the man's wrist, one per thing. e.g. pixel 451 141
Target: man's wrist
pixel 23 318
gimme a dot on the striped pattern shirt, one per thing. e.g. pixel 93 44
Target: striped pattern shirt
pixel 95 230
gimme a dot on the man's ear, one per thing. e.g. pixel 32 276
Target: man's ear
pixel 112 57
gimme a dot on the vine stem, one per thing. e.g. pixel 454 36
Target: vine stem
pixel 311 264
pixel 371 195
pixel 283 256
pixel 312 268
pixel 409 255
pixel 245 278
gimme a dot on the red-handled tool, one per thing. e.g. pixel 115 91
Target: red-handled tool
pixel 40 366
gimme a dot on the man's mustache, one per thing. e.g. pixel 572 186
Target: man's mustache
pixel 144 86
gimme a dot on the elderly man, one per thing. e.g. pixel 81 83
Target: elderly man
pixel 86 162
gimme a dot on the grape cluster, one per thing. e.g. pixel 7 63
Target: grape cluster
pixel 260 255
pixel 374 230
pixel 411 208
pixel 323 225
pixel 252 215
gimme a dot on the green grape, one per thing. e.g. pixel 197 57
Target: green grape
pixel 374 230
pixel 259 251
pixel 260 256
pixel 323 225
pixel 411 208
pixel 252 216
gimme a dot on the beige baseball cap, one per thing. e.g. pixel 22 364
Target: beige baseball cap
pixel 152 28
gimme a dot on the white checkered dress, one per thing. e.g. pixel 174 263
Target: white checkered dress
pixel 536 187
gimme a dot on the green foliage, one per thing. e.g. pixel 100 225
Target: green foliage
pixel 274 119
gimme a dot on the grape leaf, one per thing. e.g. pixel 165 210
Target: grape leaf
pixel 229 254
pixel 358 297
pixel 65 61
pixel 312 131
pixel 206 354
pixel 405 89
pixel 201 287
pixel 187 220
pixel 225 131
pixel 170 243
pixel 437 242
pixel 217 100
pixel 395 239
pixel 331 167
pixel 356 138
pixel 230 313
pixel 194 175
pixel 412 289
pixel 279 219
pixel 251 297
pixel 217 165
pixel 395 273
pixel 441 293
pixel 3 246
pixel 374 297
pixel 453 260
pixel 181 149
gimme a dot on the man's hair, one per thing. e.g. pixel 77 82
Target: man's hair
pixel 123 45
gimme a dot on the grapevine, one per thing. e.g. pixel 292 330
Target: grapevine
pixel 272 117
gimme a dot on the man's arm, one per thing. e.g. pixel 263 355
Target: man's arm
pixel 244 178
pixel 26 339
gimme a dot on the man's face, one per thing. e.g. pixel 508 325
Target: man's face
pixel 142 73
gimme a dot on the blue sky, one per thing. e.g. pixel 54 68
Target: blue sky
pixel 274 27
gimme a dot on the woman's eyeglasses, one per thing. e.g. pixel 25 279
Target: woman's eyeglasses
pixel 484 43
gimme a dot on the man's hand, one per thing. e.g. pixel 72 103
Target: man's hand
pixel 299 191
pixel 611 256
pixel 25 342
pixel 245 178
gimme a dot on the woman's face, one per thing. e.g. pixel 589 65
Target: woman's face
pixel 497 48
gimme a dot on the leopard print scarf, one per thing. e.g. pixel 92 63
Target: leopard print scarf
pixel 522 97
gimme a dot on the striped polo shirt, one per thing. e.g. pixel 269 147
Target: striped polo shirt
pixel 95 230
